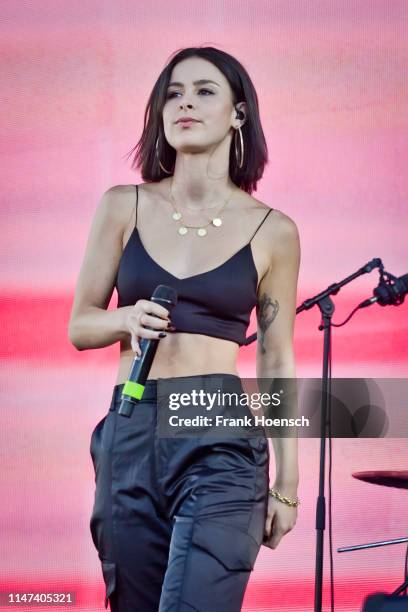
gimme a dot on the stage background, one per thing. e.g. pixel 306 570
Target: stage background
pixel 332 84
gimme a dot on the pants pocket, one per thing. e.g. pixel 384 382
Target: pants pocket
pixel 231 546
pixel 109 576
pixel 259 448
pixel 102 436
pixel 96 438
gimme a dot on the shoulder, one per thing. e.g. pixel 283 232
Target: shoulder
pixel 280 232
pixel 283 227
pixel 116 197
pixel 124 196
pixel 117 204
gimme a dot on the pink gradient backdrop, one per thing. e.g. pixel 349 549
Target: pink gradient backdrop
pixel 332 84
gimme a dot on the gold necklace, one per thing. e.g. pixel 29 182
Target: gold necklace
pixel 201 229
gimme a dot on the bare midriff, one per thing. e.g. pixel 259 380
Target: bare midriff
pixel 184 354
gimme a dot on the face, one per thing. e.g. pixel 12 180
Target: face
pixel 210 103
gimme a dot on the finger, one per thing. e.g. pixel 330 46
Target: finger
pixel 151 334
pixel 155 322
pixel 268 524
pixel 274 537
pixel 135 345
pixel 273 542
pixel 156 309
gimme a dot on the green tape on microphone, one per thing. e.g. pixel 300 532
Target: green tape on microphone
pixel 133 389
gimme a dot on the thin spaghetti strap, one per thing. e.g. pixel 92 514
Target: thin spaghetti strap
pixel 137 199
pixel 270 210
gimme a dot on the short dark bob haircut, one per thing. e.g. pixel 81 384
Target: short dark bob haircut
pixel 255 148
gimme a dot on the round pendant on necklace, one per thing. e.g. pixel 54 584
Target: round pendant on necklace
pixel 176 216
pixel 217 222
pixel 201 231
pixel 182 230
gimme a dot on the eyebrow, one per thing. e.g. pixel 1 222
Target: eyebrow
pixel 200 82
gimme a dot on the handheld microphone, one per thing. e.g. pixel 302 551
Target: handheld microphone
pixel 134 386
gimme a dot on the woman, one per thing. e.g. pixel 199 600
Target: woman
pixel 178 523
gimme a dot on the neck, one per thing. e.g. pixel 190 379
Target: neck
pixel 202 179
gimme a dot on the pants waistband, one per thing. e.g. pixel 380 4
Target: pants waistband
pixel 150 390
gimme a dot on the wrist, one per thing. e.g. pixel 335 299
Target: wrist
pixel 121 322
pixel 286 487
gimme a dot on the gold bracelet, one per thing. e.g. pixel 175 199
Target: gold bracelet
pixel 282 498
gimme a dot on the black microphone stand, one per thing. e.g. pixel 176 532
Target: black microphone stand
pixel 326 306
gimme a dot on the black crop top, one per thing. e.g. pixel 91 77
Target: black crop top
pixel 215 303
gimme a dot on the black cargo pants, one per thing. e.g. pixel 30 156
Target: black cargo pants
pixel 177 523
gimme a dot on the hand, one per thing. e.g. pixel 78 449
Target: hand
pixel 280 520
pixel 149 313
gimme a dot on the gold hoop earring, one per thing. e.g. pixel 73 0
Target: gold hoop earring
pixel 158 159
pixel 241 157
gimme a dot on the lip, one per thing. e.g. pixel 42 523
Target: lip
pixel 187 120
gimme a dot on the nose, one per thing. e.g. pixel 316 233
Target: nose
pixel 188 105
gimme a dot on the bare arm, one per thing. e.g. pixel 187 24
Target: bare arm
pixel 276 311
pixel 91 325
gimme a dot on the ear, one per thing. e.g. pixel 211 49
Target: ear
pixel 239 106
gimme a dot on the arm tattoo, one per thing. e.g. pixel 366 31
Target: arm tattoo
pixel 266 312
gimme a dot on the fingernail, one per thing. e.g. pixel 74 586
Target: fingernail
pixel 162 335
pixel 171 328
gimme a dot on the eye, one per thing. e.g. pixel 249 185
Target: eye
pixel 171 94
